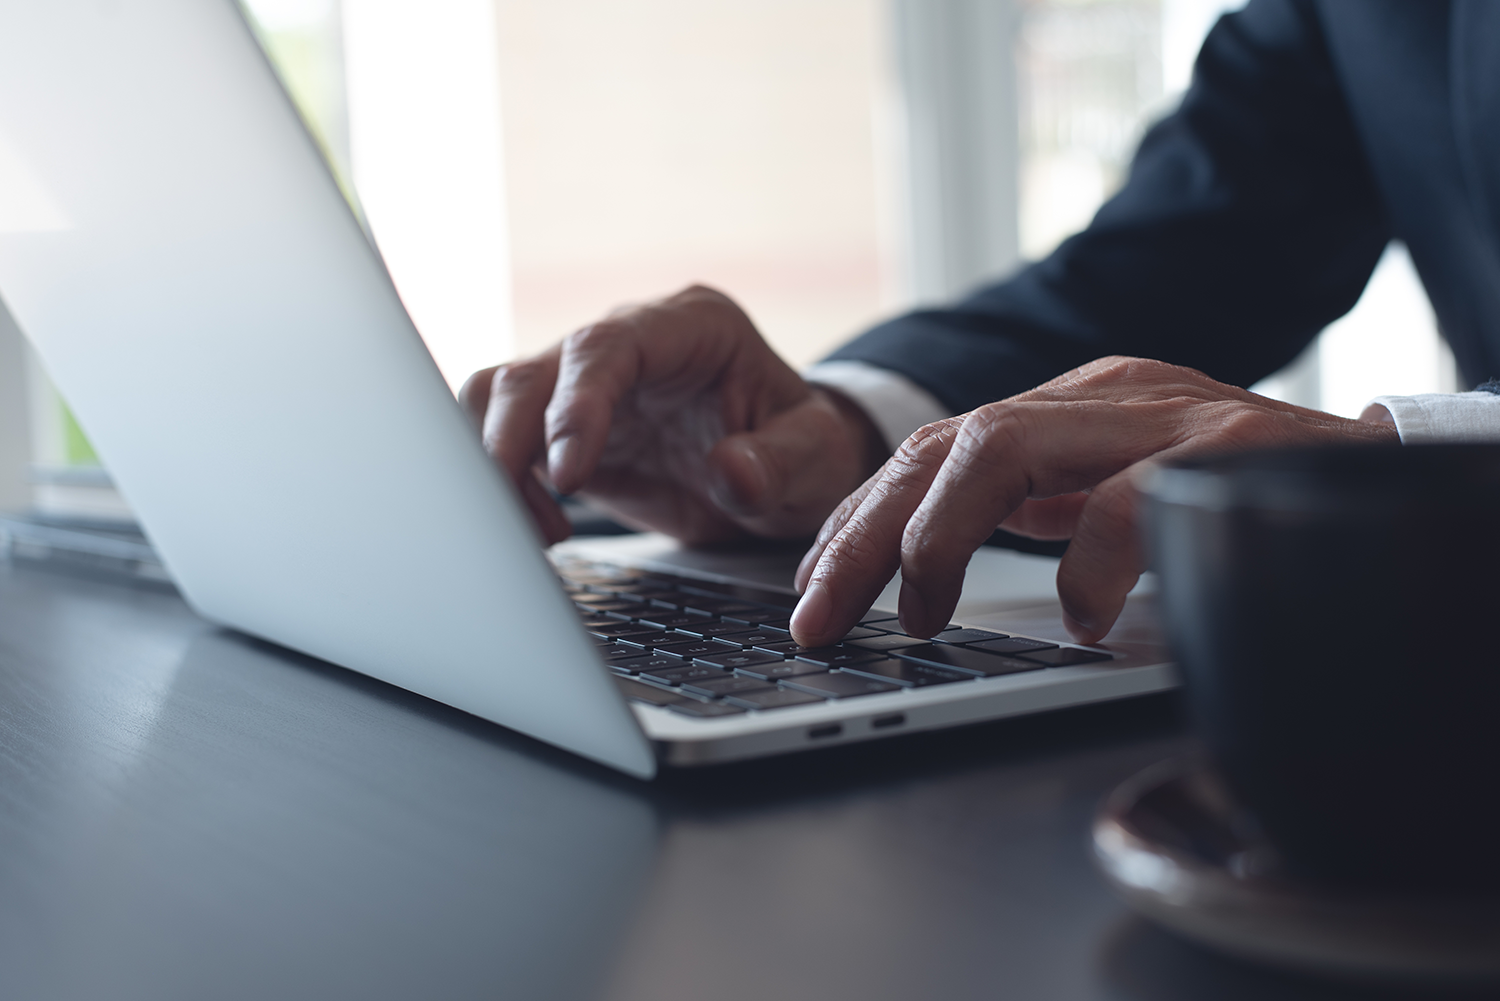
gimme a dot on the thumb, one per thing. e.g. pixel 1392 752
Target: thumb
pixel 756 472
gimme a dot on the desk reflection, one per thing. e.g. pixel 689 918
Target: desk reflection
pixel 246 823
pixel 189 813
pixel 1140 962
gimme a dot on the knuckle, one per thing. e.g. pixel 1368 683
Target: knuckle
pixel 923 554
pixel 596 336
pixel 1120 365
pixel 991 419
pixel 1127 370
pixel 924 448
pixel 699 292
pixel 516 377
pixel 1110 368
pixel 840 517
pixel 1112 514
pixel 1242 426
pixel 852 549
pixel 994 431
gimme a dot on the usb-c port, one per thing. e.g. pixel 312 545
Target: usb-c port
pixel 831 730
pixel 884 722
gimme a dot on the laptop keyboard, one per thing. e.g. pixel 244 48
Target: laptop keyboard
pixel 704 649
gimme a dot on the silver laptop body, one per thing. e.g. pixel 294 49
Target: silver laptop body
pixel 174 245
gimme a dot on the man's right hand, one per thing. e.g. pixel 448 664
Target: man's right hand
pixel 675 416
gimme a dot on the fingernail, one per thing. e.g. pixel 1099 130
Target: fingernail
pixel 562 456
pixel 810 617
pixel 912 609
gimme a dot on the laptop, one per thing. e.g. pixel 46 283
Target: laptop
pixel 174 245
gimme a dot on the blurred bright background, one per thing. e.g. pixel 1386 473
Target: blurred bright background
pixel 527 166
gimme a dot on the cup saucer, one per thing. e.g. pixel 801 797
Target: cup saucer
pixel 1175 846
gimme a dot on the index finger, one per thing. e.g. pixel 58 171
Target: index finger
pixel 863 553
pixel 511 428
pixel 689 338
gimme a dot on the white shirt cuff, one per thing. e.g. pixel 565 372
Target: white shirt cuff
pixel 1444 417
pixel 897 406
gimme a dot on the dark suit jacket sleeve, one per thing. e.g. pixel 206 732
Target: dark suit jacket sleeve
pixel 1249 222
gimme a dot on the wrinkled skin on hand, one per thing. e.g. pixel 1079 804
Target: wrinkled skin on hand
pixel 1059 461
pixel 673 416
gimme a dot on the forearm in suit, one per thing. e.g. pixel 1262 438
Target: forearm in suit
pixel 1248 223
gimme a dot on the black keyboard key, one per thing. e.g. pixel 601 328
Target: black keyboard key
pixel 752 637
pixel 682 671
pixel 776 670
pixel 837 656
pixel 722 605
pixel 649 694
pixel 860 633
pixel 714 606
pixel 908 673
pixel 839 686
pixel 763 598
pixel 645 663
pixel 875 619
pixel 672 620
pixel 670 599
pixel 894 626
pixel 756 616
pixel 688 649
pixel 961 658
pixel 730 660
pixel 632 610
pixel 649 641
pixel 615 652
pixel 705 710
pixel 887 642
pixel 782 645
pixel 651 584
pixel 968 636
pixel 773 698
pixel 709 630
pixel 1013 645
pixel 616 630
pixel 628 609
pixel 715 688
pixel 1065 656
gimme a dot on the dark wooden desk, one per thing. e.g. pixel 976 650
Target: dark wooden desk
pixel 186 813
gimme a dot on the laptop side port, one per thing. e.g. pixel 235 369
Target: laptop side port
pixel 819 732
pixel 886 722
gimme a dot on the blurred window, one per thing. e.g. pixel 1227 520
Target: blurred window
pixel 654 143
pixel 526 166
pixel 1090 79
pixel 1092 76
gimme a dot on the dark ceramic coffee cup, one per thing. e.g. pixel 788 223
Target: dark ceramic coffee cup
pixel 1336 617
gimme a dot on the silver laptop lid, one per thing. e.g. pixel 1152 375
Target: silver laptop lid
pixel 176 249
